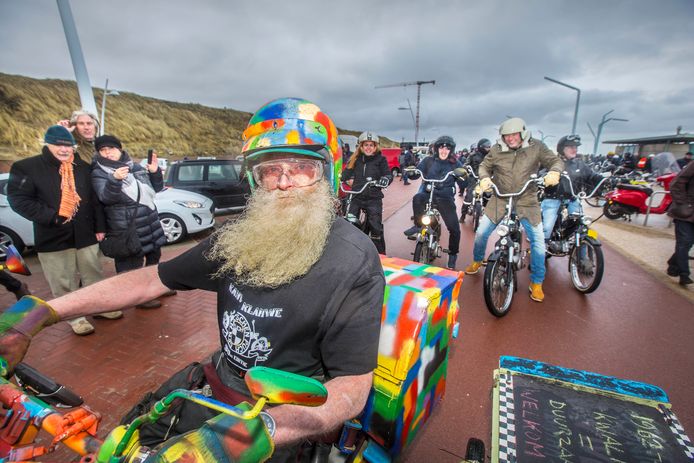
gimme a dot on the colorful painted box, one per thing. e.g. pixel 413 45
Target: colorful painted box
pixel 418 322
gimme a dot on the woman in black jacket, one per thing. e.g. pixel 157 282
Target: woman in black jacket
pixel 367 163
pixel 127 192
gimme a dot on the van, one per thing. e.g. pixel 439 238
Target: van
pixel 392 155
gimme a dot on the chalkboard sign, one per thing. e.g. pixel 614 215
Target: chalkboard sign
pixel 550 421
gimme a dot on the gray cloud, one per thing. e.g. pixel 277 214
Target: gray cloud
pixel 488 58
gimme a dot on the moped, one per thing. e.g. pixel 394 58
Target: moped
pixel 627 199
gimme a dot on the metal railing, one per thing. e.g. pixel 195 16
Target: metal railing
pixel 650 204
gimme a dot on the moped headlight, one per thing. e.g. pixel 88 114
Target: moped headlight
pixel 502 230
pixel 426 220
pixel 585 220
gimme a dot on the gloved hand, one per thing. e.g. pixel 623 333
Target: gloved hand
pixel 552 178
pixel 460 172
pixel 19 323
pixel 383 182
pixel 485 184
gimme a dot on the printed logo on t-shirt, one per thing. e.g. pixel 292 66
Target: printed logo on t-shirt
pixel 244 346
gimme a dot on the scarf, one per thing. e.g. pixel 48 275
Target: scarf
pixel 69 199
pixel 131 182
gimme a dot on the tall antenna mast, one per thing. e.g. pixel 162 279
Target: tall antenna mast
pixel 419 84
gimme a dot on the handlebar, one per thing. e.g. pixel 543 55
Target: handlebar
pixel 367 184
pixel 472 172
pixel 539 181
pixel 582 194
pixel 430 180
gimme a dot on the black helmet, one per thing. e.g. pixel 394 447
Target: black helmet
pixel 484 145
pixel 568 140
pixel 444 140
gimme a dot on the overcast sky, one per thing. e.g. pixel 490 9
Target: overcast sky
pixel 488 59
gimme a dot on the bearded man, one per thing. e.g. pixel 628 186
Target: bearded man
pixel 298 289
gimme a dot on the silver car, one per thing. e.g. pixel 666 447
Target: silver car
pixel 181 213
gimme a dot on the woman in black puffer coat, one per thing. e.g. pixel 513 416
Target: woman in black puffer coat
pixel 116 181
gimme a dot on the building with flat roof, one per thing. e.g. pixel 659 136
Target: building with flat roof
pixel 678 144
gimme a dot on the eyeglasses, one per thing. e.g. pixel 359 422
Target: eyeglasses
pixel 301 172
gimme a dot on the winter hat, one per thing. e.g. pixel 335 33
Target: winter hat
pixel 58 135
pixel 107 140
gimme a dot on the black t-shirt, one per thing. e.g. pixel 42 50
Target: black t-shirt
pixel 324 324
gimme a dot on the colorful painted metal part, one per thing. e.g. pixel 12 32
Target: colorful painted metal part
pixel 584 378
pixel 418 319
pixel 280 387
pixel 223 439
pixel 14 262
pixel 29 315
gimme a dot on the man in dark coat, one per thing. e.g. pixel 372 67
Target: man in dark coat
pixel 54 191
pixel 682 211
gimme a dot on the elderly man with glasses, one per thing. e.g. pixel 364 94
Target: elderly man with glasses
pixel 298 288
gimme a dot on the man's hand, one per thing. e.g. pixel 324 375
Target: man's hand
pixel 19 323
pixel 100 236
pixel 66 123
pixel 552 178
pixel 486 184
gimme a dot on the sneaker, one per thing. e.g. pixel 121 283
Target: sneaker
pixel 171 292
pixel 536 293
pixel 153 304
pixel 451 261
pixel 81 327
pixel 412 231
pixel 685 280
pixel 473 267
pixel 110 315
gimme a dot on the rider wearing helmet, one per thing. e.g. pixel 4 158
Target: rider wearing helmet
pixel 367 163
pixel 436 167
pixel 474 160
pixel 511 161
pixel 296 288
pixel 582 178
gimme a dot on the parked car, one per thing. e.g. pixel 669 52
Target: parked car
pixel 14 229
pixel 181 213
pixel 392 155
pixel 218 179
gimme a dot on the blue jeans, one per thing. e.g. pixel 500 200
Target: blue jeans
pixel 550 210
pixel 537 245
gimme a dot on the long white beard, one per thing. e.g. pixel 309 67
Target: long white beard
pixel 278 238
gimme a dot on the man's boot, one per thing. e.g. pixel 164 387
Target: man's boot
pixel 473 268
pixel 536 293
pixel 81 327
pixel 451 261
pixel 22 291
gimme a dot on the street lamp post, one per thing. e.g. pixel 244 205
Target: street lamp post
pixel 603 121
pixel 103 106
pixel 578 100
pixel 409 106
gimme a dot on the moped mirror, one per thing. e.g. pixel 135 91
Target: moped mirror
pixel 281 387
pixel 14 262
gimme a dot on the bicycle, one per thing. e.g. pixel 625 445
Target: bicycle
pixel 34 403
pixel 428 245
pixel 572 236
pixel 508 256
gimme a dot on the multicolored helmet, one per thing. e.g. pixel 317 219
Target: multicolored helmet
pixel 293 126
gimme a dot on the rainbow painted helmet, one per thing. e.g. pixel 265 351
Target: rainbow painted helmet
pixel 295 126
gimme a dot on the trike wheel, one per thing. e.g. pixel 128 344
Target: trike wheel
pixel 475 450
pixel 499 284
pixel 421 253
pixel 586 265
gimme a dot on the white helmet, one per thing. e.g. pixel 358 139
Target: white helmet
pixel 368 136
pixel 513 125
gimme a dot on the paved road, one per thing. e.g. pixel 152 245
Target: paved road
pixel 634 327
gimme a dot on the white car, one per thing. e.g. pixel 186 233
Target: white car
pixel 181 213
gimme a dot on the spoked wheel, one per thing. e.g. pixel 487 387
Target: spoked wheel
pixel 499 284
pixel 586 265
pixel 476 214
pixel 421 253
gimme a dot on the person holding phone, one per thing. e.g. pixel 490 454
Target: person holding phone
pixel 126 189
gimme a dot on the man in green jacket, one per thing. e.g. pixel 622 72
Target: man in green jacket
pixel 511 162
